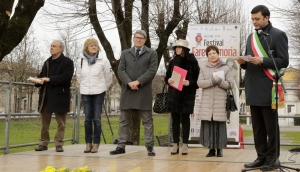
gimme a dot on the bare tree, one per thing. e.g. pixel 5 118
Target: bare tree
pixel 14 28
pixel 289 13
pixel 21 63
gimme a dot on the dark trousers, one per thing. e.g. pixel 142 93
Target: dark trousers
pixel 61 119
pixel 264 125
pixel 92 107
pixel 184 119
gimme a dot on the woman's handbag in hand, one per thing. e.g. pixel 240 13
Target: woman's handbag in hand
pixel 160 103
pixel 230 104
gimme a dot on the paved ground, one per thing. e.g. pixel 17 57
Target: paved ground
pixel 136 160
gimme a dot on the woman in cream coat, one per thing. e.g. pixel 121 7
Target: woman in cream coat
pixel 94 76
pixel 213 114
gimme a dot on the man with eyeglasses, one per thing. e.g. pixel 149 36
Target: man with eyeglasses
pixel 137 68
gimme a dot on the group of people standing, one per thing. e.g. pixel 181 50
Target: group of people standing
pixel 136 70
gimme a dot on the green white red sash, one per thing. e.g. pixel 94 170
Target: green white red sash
pixel 259 51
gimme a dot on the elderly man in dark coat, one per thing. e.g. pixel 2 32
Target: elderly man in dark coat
pixel 259 83
pixel 137 68
pixel 54 95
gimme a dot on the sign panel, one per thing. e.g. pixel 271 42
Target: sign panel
pixel 227 38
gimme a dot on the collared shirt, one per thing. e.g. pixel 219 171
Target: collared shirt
pixel 141 49
pixel 55 58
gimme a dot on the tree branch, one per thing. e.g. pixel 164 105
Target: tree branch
pixel 105 43
pixel 124 24
pixel 5 12
pixel 163 38
pixel 18 25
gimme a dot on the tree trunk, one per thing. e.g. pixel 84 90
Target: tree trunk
pixel 12 30
pixel 123 18
pixel 134 128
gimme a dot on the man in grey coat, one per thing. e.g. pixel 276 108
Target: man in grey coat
pixel 259 82
pixel 137 68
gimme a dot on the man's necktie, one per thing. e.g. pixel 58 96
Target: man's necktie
pixel 137 53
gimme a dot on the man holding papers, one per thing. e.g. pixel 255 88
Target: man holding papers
pixel 182 75
pixel 259 84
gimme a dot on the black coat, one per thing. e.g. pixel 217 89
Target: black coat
pixel 56 93
pixel 183 101
pixel 257 84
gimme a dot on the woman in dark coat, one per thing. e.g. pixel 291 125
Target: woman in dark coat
pixel 181 103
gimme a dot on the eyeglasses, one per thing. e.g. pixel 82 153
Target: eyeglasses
pixel 139 38
pixel 93 46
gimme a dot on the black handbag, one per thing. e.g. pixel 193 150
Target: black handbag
pixel 230 103
pixel 160 103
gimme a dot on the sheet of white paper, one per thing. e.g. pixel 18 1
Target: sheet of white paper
pixel 220 74
pixel 246 58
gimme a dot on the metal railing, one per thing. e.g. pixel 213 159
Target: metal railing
pixel 75 98
pixel 279 116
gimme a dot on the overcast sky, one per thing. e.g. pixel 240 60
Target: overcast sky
pixel 45 36
pixel 269 3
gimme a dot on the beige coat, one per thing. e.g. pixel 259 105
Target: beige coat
pixel 213 101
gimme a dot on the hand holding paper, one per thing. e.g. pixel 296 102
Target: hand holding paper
pixel 246 58
pixel 36 80
pixel 220 74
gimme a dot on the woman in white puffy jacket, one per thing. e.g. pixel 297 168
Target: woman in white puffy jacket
pixel 94 76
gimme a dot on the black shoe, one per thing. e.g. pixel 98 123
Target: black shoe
pixel 150 151
pixel 212 152
pixel 117 151
pixel 219 153
pixel 41 148
pixel 59 148
pixel 269 165
pixel 256 163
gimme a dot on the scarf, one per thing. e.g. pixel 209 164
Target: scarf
pixel 91 59
pixel 214 64
pixel 259 51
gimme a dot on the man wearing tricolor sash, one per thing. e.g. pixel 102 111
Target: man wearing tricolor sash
pixel 259 89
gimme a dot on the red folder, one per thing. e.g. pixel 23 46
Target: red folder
pixel 178 75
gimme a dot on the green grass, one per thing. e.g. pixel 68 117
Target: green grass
pixel 28 131
pixel 293 136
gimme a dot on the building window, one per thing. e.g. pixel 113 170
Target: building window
pixel 290 108
pixel 25 104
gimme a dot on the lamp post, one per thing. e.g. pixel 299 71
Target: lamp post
pixel 170 130
pixel 170 50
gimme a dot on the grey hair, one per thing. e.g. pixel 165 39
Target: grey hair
pixel 142 32
pixel 62 45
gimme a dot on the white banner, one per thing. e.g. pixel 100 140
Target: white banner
pixel 227 38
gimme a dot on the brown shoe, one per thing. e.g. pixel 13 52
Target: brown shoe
pixel 95 148
pixel 88 148
pixel 41 148
pixel 59 149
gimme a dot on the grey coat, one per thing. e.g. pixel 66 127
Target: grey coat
pixel 257 84
pixel 142 69
pixel 213 101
